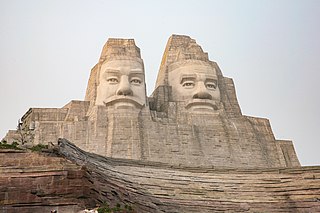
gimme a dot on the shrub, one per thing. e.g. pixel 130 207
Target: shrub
pixel 106 209
pixel 5 145
pixel 38 147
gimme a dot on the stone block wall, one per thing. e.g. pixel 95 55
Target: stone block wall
pixel 171 136
pixel 208 139
pixel 288 153
pixel 91 92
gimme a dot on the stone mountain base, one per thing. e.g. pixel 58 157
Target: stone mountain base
pixel 33 182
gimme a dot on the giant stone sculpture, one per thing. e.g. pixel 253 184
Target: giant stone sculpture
pixel 192 118
pixel 121 82
pixel 195 83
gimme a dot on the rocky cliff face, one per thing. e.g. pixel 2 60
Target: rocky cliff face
pixel 34 182
pixel 158 187
pixel 41 182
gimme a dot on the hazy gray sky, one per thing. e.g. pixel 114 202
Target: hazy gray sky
pixel 270 48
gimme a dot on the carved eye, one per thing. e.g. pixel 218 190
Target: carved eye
pixel 113 80
pixel 136 81
pixel 188 84
pixel 211 85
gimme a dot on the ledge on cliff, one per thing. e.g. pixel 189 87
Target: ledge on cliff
pixel 157 187
pixel 41 182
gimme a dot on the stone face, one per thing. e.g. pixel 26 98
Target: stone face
pixel 192 118
pixel 195 83
pixel 118 78
pixel 121 84
pixel 119 54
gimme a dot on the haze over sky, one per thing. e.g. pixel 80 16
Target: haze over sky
pixel 270 48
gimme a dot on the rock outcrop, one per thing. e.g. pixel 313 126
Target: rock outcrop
pixel 40 182
pixel 159 187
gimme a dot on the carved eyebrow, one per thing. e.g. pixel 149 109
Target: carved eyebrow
pixel 211 77
pixel 136 70
pixel 111 71
pixel 187 76
pixel 211 80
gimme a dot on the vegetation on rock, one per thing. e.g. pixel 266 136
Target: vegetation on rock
pixel 5 145
pixel 38 147
pixel 106 209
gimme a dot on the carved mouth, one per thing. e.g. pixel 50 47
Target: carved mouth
pixel 201 104
pixel 122 101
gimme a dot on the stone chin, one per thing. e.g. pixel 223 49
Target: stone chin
pixel 124 102
pixel 201 105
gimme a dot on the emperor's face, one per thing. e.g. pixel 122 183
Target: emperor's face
pixel 121 83
pixel 196 85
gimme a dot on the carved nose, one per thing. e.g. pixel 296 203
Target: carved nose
pixel 125 92
pixel 202 92
pixel 124 87
pixel 202 95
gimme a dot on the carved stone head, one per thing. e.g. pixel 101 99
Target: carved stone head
pixel 196 83
pixel 191 75
pixel 119 76
pixel 121 83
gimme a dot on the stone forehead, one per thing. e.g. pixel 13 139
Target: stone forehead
pixel 122 58
pixel 189 63
pixel 119 59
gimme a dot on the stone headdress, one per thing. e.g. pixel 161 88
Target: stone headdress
pixel 180 49
pixel 116 48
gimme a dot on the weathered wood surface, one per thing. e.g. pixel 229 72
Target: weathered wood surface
pixel 157 187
